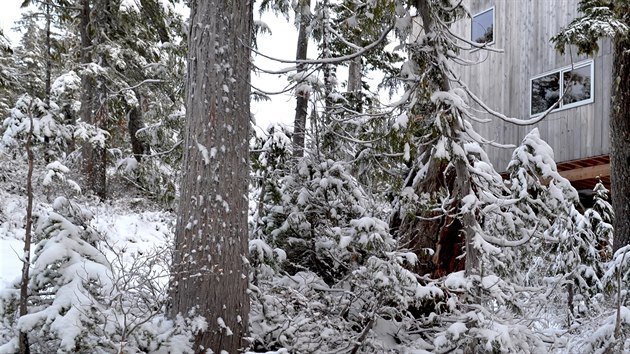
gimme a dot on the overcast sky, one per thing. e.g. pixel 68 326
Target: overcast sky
pixel 9 13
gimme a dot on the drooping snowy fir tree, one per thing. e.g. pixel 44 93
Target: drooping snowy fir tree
pixel 561 252
pixel 542 197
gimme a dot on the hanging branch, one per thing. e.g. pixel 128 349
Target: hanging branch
pixel 334 60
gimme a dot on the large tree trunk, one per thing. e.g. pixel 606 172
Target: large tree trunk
pixel 301 108
pixel 620 142
pixel 209 274
pixel 94 158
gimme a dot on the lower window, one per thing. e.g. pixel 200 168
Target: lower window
pixel 576 83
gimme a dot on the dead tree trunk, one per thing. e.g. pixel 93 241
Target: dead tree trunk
pixel 355 74
pixel 209 274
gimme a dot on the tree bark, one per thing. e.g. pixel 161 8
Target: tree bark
pixel 94 157
pixel 135 123
pixel 355 88
pixel 24 347
pixel 47 81
pixel 301 108
pixel 87 83
pixel 620 141
pixel 209 273
pixel 354 75
pixel 48 72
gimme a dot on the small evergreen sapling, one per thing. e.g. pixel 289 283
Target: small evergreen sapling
pixel 601 217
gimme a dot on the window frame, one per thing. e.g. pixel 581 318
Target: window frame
pixel 494 27
pixel 561 71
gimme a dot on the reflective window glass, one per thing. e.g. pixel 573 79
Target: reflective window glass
pixel 577 82
pixel 545 92
pixel 483 27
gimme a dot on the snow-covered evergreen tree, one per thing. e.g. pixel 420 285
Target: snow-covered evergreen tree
pixel 601 216
pixel 542 197
pixel 81 301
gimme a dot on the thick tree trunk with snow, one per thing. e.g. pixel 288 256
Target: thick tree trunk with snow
pixel 209 273
pixel 301 108
pixel 620 142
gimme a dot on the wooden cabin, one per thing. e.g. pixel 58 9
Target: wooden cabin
pixel 528 77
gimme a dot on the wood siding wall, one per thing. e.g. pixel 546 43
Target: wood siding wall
pixel 502 80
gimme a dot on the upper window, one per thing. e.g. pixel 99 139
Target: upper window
pixel 482 30
pixel 576 83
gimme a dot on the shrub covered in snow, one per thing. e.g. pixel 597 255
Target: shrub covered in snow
pixel 83 298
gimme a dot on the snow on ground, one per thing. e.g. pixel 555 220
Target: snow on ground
pixel 127 231
pixel 10 266
pixel 12 211
pixel 134 231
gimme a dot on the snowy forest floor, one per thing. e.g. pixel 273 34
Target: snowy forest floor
pixel 132 225
pixel 128 222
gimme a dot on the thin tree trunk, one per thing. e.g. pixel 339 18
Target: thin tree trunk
pixel 620 142
pixel 48 69
pixel 301 109
pixel 354 83
pixel 47 82
pixel 327 143
pixel 24 347
pixel 354 75
pixel 570 296
pixel 209 273
pixel 327 69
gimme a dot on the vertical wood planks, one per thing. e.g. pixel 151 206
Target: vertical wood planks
pixel 522 30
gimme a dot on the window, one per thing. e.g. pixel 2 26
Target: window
pixel 482 29
pixel 545 92
pixel 576 84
